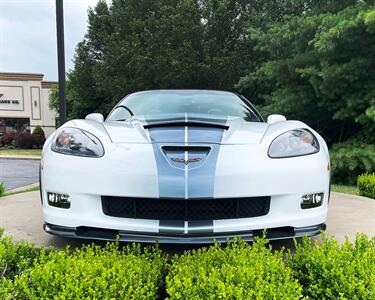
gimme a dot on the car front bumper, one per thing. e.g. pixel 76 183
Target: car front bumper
pixel 127 236
pixel 120 173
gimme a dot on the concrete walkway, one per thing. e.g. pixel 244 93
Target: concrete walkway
pixel 21 217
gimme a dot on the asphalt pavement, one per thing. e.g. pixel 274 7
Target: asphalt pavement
pixel 16 173
pixel 21 217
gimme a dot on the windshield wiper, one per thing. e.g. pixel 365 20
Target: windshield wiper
pixel 120 120
pixel 128 109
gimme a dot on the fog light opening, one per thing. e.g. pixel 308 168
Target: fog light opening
pixel 58 200
pixel 312 200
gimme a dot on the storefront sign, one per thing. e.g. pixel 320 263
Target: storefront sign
pixel 6 101
pixel 11 98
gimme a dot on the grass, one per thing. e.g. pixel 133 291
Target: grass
pixel 21 152
pixel 33 189
pixel 346 189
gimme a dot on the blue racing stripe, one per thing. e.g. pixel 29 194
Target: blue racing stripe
pixel 201 180
pixel 176 177
pixel 171 180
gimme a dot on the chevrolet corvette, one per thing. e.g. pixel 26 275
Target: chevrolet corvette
pixel 184 166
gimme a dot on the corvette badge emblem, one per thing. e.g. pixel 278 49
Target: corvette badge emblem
pixel 186 161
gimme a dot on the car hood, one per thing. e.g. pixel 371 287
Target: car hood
pixel 186 128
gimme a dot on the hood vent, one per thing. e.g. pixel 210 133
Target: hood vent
pixel 188 123
pixel 186 148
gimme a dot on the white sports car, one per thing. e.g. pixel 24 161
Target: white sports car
pixel 184 166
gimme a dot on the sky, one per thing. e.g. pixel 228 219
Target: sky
pixel 28 34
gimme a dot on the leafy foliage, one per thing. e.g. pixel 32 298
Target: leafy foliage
pixel 333 271
pixel 136 45
pixel 350 159
pixel 7 138
pixel 24 140
pixel 319 69
pixel 38 136
pixel 15 258
pixel 239 271
pixel 91 272
pixel 366 185
pixel 2 190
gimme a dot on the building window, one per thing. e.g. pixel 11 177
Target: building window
pixel 14 125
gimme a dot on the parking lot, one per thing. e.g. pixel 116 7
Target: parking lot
pixel 16 173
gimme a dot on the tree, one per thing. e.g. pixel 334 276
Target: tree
pixel 135 45
pixel 320 69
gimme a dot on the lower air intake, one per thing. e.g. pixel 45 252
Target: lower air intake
pixel 187 210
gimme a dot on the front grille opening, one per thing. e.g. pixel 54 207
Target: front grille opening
pixel 273 233
pixel 187 210
pixel 93 232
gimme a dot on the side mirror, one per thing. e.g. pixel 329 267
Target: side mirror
pixel 275 118
pixel 95 117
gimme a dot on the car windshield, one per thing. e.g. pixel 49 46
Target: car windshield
pixel 153 103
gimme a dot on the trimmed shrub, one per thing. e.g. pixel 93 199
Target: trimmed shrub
pixel 366 185
pixel 91 272
pixel 24 140
pixel 239 271
pixel 16 257
pixel 2 189
pixel 39 136
pixel 350 159
pixel 8 138
pixel 333 271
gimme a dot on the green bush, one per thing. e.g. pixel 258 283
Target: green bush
pixel 366 185
pixel 333 271
pixel 350 159
pixel 16 257
pixel 2 189
pixel 239 271
pixel 91 272
pixel 39 136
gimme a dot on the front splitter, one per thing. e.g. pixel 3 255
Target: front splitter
pixel 93 233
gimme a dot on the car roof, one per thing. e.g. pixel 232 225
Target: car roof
pixel 183 92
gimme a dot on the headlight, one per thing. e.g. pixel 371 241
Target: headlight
pixel 296 142
pixel 74 141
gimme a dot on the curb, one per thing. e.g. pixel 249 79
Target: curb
pixel 22 188
pixel 19 157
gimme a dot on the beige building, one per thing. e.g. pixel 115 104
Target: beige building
pixel 24 103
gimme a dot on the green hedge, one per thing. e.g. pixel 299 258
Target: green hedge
pixel 15 258
pixel 239 271
pixel 92 272
pixel 334 271
pixel 236 271
pixel 366 185
pixel 38 136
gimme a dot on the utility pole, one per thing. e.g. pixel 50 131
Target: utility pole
pixel 61 59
